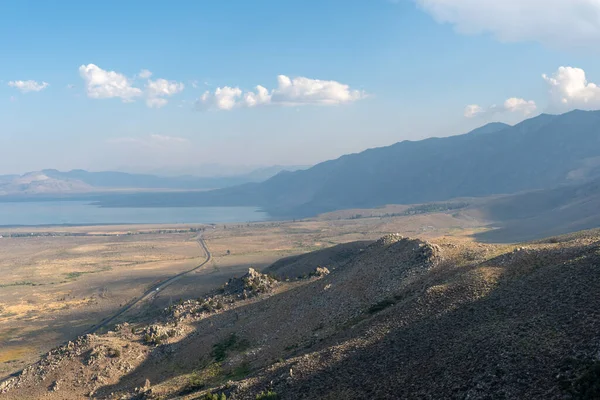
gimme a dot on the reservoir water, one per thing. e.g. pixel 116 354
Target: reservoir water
pixel 86 213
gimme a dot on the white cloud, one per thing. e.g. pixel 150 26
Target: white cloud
pixel 289 92
pixel 156 90
pixel 28 86
pixel 551 22
pixel 70 86
pixel 301 90
pixel 512 105
pixel 145 74
pixel 168 139
pixel 224 98
pixel 472 110
pixel 520 105
pixel 570 89
pixel 102 84
pixel 261 96
pixel 153 141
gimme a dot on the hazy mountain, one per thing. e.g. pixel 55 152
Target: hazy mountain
pixel 538 153
pixel 40 183
pixel 51 181
pixel 543 213
pixel 256 172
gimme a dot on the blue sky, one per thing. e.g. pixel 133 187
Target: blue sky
pixel 335 77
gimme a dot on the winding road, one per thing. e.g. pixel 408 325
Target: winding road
pixel 153 290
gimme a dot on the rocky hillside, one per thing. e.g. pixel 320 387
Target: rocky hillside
pixel 304 264
pixel 402 319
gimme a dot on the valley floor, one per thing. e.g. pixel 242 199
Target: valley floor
pixel 56 285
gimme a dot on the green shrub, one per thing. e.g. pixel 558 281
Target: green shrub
pixel 114 353
pixel 221 349
pixel 214 396
pixel 267 395
pixel 195 383
pixel 240 372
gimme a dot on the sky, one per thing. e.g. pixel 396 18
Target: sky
pixel 153 85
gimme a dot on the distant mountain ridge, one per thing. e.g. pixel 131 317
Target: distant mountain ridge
pixel 538 153
pixel 52 181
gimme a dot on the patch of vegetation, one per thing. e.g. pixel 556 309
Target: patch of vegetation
pixel 267 395
pixel 74 275
pixel 113 352
pixel 240 372
pixel 214 396
pixel 77 274
pixel 194 384
pixel 382 305
pixel 19 283
pixel 232 343
pixel 210 376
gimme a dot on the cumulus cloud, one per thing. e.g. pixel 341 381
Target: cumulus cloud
pixel 512 105
pixel 289 92
pixel 224 98
pixel 158 89
pixel 28 86
pixel 145 74
pixel 551 22
pixel 519 106
pixel 301 90
pixel 261 97
pixel 102 84
pixel 570 89
pixel 472 110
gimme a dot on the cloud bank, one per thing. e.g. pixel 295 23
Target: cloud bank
pixel 562 23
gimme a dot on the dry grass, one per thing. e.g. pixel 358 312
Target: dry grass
pixel 54 288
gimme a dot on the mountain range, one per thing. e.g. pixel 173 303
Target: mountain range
pixel 539 153
pixel 51 181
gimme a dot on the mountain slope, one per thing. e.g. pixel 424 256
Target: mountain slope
pixel 538 153
pixel 543 213
pixel 403 319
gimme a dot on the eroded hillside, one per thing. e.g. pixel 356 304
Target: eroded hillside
pixel 403 318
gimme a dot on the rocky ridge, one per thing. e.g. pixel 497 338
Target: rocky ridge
pixel 404 318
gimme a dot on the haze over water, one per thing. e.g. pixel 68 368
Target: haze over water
pixel 85 213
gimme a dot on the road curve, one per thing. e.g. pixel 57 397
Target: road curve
pixel 153 290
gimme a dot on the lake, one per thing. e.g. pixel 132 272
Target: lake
pixel 85 213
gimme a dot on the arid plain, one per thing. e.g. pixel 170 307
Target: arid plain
pixel 57 283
